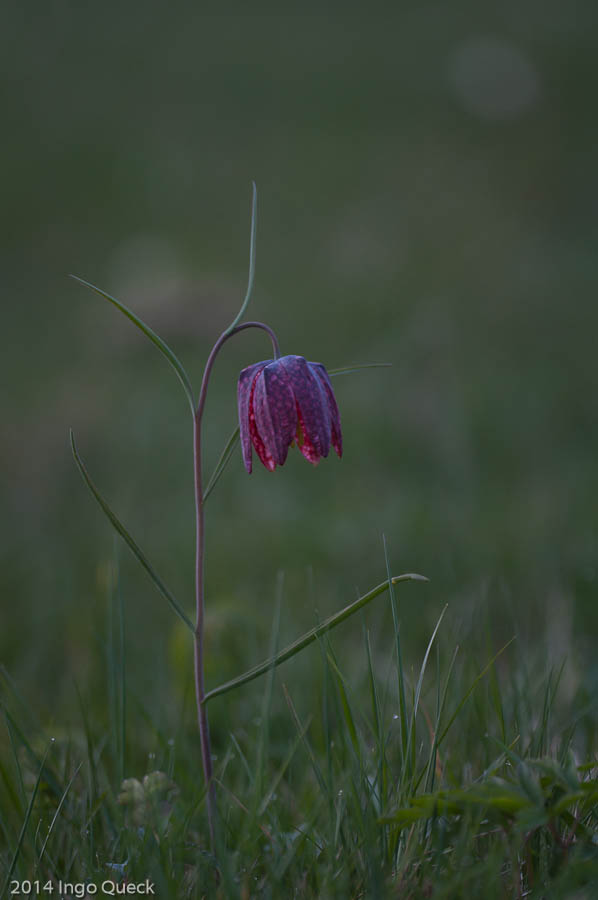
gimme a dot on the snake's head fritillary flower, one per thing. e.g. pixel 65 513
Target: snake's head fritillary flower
pixel 286 401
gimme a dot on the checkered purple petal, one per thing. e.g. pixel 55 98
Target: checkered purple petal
pixel 245 384
pixel 311 401
pixel 337 437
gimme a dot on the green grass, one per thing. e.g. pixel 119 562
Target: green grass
pixel 481 782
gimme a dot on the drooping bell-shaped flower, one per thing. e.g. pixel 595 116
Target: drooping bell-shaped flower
pixel 283 401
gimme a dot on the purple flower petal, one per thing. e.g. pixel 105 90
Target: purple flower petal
pixel 312 408
pixel 275 411
pixel 324 378
pixel 256 439
pixel 244 387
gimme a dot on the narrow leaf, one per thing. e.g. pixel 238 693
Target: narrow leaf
pixel 25 822
pixel 345 705
pixel 133 547
pixel 310 636
pixel 287 761
pixel 302 731
pixel 400 672
pixel 471 690
pixel 57 813
pixel 346 370
pixel 413 723
pixel 222 463
pixel 154 338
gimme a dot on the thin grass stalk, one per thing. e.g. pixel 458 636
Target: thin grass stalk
pixel 400 671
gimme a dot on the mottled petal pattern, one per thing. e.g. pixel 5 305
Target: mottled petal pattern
pixel 275 411
pixel 311 406
pixel 257 438
pixel 324 378
pixel 286 400
pixel 244 387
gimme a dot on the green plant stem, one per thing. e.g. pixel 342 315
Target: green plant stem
pixel 202 715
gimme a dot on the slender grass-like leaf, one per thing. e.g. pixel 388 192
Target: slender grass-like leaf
pixel 135 549
pixel 264 733
pixel 7 779
pixel 222 463
pixel 376 711
pixel 495 692
pixel 251 275
pixel 301 730
pixel 151 334
pixel 430 769
pixel 345 705
pixel 32 722
pixel 400 672
pixel 244 760
pixel 413 723
pixel 471 689
pixel 28 812
pixel 57 813
pixel 17 764
pixel 382 779
pixel 280 774
pixel 122 683
pixel 49 776
pixel 310 636
pixel 346 370
pixel 93 773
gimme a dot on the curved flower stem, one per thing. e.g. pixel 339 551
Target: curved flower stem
pixel 202 716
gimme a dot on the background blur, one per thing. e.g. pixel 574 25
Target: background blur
pixel 428 196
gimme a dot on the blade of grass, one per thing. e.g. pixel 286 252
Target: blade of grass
pixel 326 720
pixel 135 549
pixel 308 638
pixel 346 370
pixel 28 812
pixel 264 735
pixel 430 770
pixel 50 777
pixel 345 705
pixel 115 660
pixel 286 763
pixel 400 672
pixel 302 730
pixel 243 759
pixel 471 689
pixel 382 779
pixel 16 762
pixel 413 723
pixel 122 683
pixel 151 334
pixel 376 718
pixel 27 715
pixel 495 691
pixel 57 813
pixel 93 775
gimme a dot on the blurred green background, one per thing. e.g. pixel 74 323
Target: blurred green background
pixel 428 196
